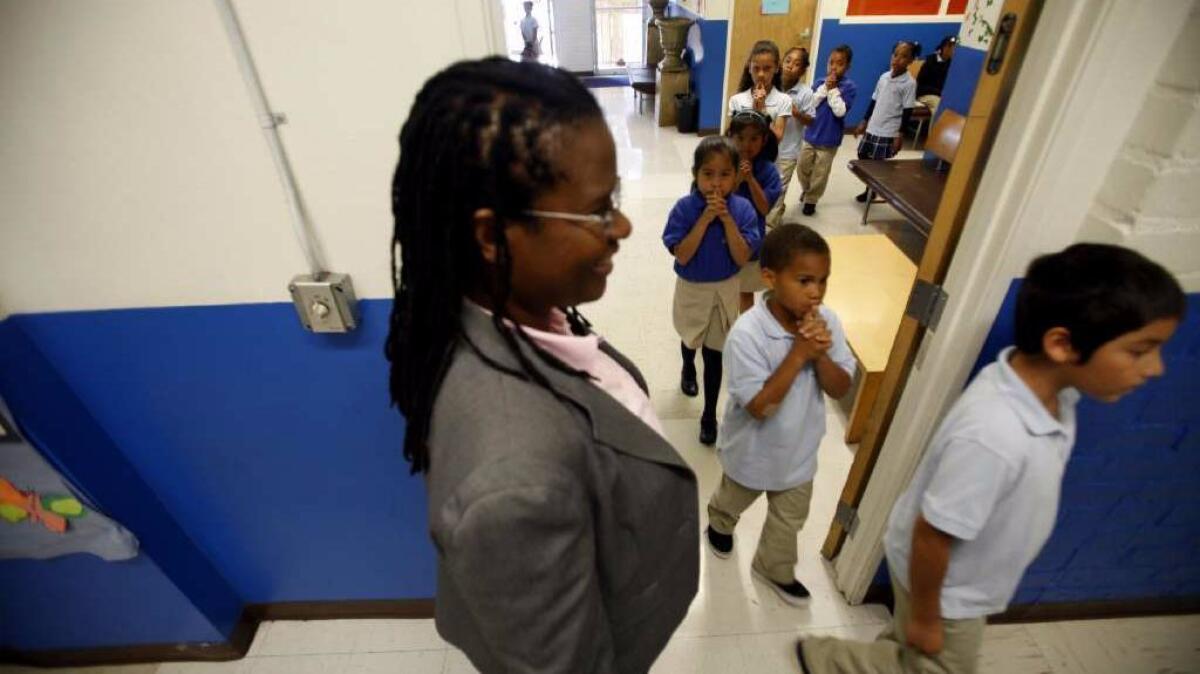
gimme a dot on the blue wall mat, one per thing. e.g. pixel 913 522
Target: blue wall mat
pixel 872 44
pixel 276 450
pixel 59 423
pixel 81 601
pixel 961 80
pixel 1129 521
pixel 708 76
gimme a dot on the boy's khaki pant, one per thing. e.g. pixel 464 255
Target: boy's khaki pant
pixel 890 654
pixel 786 512
pixel 787 168
pixel 815 164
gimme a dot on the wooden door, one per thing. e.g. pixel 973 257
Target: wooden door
pixel 747 25
pixel 1001 67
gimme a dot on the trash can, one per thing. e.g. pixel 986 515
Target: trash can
pixel 687 112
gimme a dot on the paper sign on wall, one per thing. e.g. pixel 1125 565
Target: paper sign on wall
pixel 775 6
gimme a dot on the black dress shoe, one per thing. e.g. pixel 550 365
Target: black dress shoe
pixel 809 209
pixel 687 383
pixel 708 431
pixel 862 198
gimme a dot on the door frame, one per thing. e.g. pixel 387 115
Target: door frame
pixel 1044 172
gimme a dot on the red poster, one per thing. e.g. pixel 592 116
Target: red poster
pixel 897 7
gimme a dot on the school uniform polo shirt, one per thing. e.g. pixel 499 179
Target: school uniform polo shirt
pixel 991 478
pixel 712 261
pixel 768 179
pixel 779 452
pixel 892 95
pixel 793 133
pixel 777 104
pixel 827 128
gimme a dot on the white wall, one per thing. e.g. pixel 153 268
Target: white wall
pixel 1150 200
pixel 133 171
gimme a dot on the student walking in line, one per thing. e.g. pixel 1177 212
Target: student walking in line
pixel 758 182
pixel 759 88
pixel 1091 319
pixel 783 357
pixel 520 418
pixel 891 108
pixel 711 233
pixel 833 98
pixel 795 66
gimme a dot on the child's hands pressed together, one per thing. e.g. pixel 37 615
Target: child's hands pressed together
pixel 831 80
pixel 813 338
pixel 745 171
pixel 760 98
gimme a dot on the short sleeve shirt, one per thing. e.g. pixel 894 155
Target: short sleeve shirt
pixel 793 133
pixel 779 452
pixel 776 105
pixel 991 478
pixel 712 261
pixel 892 96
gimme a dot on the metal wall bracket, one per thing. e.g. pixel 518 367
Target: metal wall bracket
pixel 847 516
pixel 926 303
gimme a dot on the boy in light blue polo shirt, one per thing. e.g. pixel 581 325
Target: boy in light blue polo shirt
pixel 782 356
pixel 1090 319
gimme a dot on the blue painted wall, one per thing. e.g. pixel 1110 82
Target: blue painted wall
pixel 81 601
pixel 275 450
pixel 708 75
pixel 55 420
pixel 1129 521
pixel 962 78
pixel 872 45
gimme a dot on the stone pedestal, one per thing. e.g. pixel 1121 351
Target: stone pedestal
pixel 669 84
pixel 672 73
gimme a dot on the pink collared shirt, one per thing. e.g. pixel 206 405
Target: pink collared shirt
pixel 583 353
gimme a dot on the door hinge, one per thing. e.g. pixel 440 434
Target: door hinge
pixel 926 303
pixel 847 516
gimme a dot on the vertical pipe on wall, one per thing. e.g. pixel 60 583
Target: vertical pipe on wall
pixel 270 121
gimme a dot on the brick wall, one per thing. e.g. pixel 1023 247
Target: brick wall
pixel 1151 197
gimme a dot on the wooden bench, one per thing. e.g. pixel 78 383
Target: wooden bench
pixel 868 289
pixel 642 81
pixel 913 186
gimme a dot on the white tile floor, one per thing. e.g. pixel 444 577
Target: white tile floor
pixel 734 625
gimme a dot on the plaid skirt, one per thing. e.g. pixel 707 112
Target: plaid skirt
pixel 876 147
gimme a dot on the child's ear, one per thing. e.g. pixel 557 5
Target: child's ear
pixel 768 276
pixel 484 224
pixel 1057 346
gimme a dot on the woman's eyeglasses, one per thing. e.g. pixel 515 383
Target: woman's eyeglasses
pixel 600 224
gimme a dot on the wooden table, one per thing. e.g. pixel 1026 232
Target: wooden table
pixel 868 289
pixel 911 186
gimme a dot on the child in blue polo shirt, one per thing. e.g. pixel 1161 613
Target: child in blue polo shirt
pixel 757 181
pixel 783 356
pixel 833 98
pixel 711 232
pixel 1091 319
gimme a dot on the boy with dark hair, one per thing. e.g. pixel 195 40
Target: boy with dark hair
pixel 1091 319
pixel 782 356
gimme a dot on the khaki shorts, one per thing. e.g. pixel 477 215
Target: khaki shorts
pixel 750 278
pixel 703 313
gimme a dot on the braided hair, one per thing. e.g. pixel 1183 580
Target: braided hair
pixel 481 134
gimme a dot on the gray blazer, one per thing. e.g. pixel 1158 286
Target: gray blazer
pixel 567 532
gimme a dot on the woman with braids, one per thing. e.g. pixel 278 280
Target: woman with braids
pixel 565 525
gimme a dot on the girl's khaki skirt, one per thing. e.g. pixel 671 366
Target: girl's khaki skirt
pixel 750 278
pixel 704 312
